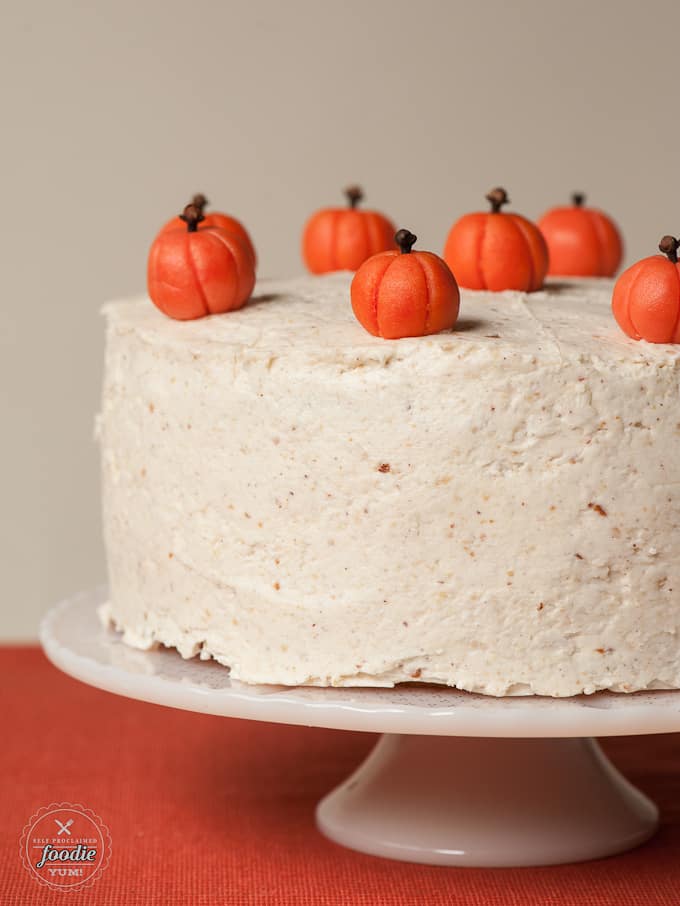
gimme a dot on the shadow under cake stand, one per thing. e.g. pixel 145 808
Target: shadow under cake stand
pixel 455 779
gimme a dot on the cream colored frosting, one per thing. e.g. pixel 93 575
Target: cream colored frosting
pixel 493 508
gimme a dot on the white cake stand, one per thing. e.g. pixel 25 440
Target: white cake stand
pixel 456 778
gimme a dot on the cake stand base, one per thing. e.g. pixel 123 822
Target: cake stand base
pixel 487 802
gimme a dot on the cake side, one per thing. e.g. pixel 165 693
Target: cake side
pixel 489 508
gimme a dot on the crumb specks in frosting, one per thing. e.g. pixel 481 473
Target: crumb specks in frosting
pixel 384 467
pixel 597 508
pixel 540 606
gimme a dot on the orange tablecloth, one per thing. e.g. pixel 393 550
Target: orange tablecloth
pixel 204 810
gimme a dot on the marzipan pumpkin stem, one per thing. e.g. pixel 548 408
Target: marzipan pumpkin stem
pixel 192 217
pixel 578 199
pixel 199 201
pixel 669 245
pixel 405 240
pixel 354 195
pixel 497 198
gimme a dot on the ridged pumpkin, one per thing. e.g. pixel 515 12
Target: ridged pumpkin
pixel 582 241
pixel 195 270
pixel 646 298
pixel 403 293
pixel 341 239
pixel 494 250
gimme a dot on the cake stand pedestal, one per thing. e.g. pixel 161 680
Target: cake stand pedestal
pixel 456 778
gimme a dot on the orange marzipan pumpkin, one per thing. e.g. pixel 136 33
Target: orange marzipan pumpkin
pixel 216 219
pixel 582 241
pixel 494 250
pixel 341 239
pixel 402 293
pixel 195 270
pixel 646 298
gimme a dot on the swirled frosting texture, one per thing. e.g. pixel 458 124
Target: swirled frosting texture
pixel 493 508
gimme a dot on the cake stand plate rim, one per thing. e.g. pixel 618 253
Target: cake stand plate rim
pixel 74 640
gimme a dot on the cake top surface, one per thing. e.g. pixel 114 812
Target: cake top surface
pixel 310 315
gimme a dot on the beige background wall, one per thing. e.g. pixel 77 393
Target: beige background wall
pixel 114 112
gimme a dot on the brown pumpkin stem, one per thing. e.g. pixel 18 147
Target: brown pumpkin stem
pixel 200 202
pixel 192 217
pixel 578 199
pixel 497 198
pixel 405 240
pixel 669 245
pixel 354 195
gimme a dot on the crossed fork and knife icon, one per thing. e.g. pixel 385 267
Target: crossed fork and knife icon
pixel 63 828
